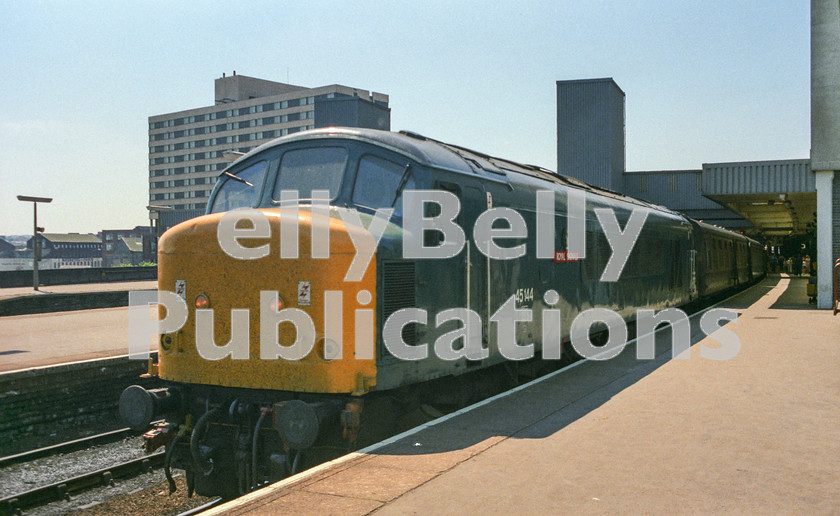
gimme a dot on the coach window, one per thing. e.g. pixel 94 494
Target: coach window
pixel 380 183
pixel 316 168
pixel 240 189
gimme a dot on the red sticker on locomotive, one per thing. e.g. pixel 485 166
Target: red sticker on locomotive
pixel 565 257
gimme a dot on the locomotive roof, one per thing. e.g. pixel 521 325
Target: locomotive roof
pixel 434 153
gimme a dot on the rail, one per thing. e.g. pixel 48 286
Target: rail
pixel 66 447
pixel 835 297
pixel 14 504
pixel 206 507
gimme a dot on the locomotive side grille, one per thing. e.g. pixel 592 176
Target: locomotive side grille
pixel 398 291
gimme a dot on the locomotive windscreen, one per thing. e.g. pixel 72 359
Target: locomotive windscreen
pixel 240 190
pixel 316 168
pixel 380 183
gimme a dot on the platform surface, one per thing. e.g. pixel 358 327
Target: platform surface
pixel 36 340
pixel 78 288
pixel 759 433
pixel 39 340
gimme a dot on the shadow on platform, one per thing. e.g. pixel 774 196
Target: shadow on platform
pixel 542 409
pixel 795 297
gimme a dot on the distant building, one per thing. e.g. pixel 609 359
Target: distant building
pixel 69 250
pixel 127 251
pixel 187 148
pixel 110 243
pixel 7 250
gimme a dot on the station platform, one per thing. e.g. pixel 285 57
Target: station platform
pixel 18 301
pixel 40 340
pixel 60 337
pixel 80 288
pixel 757 433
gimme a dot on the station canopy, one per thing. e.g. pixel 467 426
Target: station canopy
pixel 778 197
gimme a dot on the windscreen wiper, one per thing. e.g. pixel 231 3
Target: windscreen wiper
pixel 236 178
pixel 403 181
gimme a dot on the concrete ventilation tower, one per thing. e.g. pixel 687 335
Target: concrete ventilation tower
pixel 590 132
pixel 825 138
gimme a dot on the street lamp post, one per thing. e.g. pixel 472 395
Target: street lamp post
pixel 154 215
pixel 36 245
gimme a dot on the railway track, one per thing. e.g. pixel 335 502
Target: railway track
pixel 66 447
pixel 78 482
pixel 62 489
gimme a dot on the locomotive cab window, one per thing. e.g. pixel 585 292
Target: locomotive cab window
pixel 380 183
pixel 315 168
pixel 240 189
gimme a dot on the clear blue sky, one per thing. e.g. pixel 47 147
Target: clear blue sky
pixel 705 81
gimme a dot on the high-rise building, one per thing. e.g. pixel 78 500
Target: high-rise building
pixel 188 149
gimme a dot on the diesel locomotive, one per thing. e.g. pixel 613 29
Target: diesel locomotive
pixel 245 417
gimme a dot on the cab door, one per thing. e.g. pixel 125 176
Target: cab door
pixel 466 276
pixel 476 265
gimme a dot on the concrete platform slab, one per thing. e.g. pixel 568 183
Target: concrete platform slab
pixel 59 337
pixel 305 503
pixel 78 288
pixel 759 433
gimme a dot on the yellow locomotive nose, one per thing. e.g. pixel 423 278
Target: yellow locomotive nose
pixel 242 311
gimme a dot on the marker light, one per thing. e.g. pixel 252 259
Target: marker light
pixel 278 304
pixel 201 301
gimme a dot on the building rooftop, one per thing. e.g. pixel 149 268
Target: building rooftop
pixel 242 87
pixel 135 245
pixel 72 238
